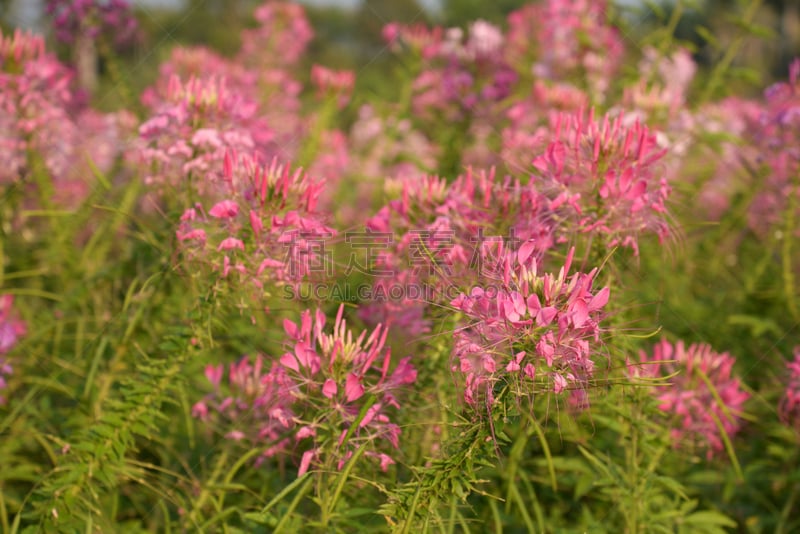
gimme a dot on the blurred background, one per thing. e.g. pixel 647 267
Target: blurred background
pixel 348 32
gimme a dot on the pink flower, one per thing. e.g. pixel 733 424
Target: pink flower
pixel 353 389
pixel 325 356
pixel 224 210
pixel 329 389
pixel 214 374
pixel 603 177
pixel 231 243
pixel 305 462
pixel 558 315
pixel 200 410
pixel 699 411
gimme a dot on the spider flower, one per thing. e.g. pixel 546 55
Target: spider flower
pixel 330 394
pixel 603 178
pixel 192 127
pixel 72 18
pixel 344 390
pixel 254 406
pixel 535 332
pixel 778 138
pixel 559 39
pixel 266 227
pixel 704 396
pixel 43 121
pixel 281 37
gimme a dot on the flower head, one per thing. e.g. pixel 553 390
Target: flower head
pixel 704 396
pixel 328 395
pixel 535 332
pixel 602 177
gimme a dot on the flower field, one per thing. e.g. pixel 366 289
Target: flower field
pixel 548 282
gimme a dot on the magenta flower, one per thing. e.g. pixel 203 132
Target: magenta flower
pixel 281 37
pixel 312 397
pixel 11 329
pixel 704 395
pixel 338 83
pixel 449 235
pixel 602 177
pixel 461 77
pixel 268 228
pixel 254 406
pixel 789 408
pixel 777 137
pixel 335 374
pixel 561 39
pixel 42 114
pixel 553 319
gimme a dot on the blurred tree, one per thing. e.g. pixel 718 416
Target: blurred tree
pixel 462 12
pixel 214 23
pixel 773 31
pixel 336 36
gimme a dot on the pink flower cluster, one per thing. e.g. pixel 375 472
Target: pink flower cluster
pixel 602 177
pixel 267 226
pixel 704 395
pixel 40 112
pixel 460 77
pixel 449 235
pixel 11 329
pixel 281 37
pixel 254 407
pixel 537 333
pixel 778 137
pixel 664 83
pixel 204 105
pixel 193 127
pixel 339 83
pixel 556 39
pixel 328 395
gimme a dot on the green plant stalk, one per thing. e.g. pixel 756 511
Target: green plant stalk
pixel 305 488
pixel 310 148
pixel 331 504
pixel 412 510
pixel 672 24
pixel 114 72
pixel 205 493
pixel 724 435
pixel 787 510
pixel 633 468
pixel 730 54
pixel 546 449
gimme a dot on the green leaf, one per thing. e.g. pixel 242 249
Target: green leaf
pixel 709 518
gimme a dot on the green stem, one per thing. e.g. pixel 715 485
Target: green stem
pixel 715 78
pixel 205 494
